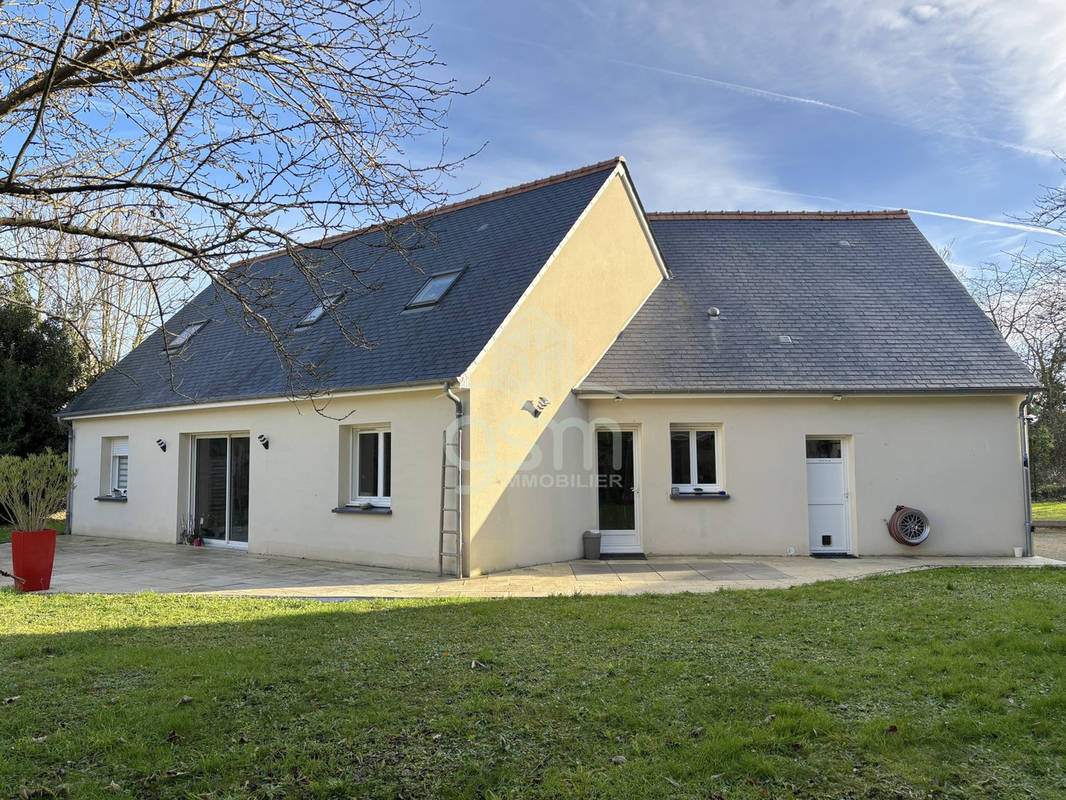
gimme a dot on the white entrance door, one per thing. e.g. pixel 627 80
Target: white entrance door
pixel 618 491
pixel 828 514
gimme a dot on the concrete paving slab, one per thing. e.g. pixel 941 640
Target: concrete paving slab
pixel 97 564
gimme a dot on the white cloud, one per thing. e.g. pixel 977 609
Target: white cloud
pixel 923 12
pixel 993 72
pixel 679 169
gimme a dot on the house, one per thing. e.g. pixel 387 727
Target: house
pixel 685 383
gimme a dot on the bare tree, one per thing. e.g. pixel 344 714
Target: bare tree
pixel 150 144
pixel 107 305
pixel 1026 299
pixel 1025 296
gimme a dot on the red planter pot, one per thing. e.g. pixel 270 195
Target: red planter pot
pixel 32 555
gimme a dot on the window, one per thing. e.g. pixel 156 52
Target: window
pixel 823 448
pixel 371 467
pixel 694 458
pixel 120 466
pixel 315 314
pixel 179 341
pixel 434 289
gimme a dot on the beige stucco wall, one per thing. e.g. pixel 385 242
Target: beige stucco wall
pixel 293 486
pixel 956 458
pixel 598 279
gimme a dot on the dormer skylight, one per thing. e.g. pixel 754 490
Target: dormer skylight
pixel 434 289
pixel 177 342
pixel 315 314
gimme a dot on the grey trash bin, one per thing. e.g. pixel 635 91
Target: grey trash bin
pixel 591 540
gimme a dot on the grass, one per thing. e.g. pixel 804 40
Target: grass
pixel 58 522
pixel 947 683
pixel 1050 509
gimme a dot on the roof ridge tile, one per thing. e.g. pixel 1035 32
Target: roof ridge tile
pixel 659 216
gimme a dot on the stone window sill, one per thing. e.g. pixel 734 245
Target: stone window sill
pixel 110 498
pixel 382 510
pixel 700 496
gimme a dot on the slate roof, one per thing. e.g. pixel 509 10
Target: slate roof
pixel 867 302
pixel 501 240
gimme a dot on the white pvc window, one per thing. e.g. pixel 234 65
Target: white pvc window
pixel 371 467
pixel 695 458
pixel 189 331
pixel 315 314
pixel 120 465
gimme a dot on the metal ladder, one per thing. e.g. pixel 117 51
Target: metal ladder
pixel 451 502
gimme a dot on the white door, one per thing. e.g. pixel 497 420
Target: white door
pixel 618 491
pixel 828 515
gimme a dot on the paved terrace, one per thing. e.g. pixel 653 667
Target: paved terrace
pixel 92 564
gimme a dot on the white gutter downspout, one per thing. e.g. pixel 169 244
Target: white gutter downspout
pixel 66 423
pixel 70 490
pixel 459 470
pixel 1023 428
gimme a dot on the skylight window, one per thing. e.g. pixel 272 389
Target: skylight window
pixel 315 314
pixel 190 330
pixel 434 289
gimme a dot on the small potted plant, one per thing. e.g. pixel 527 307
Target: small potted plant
pixel 32 489
pixel 189 533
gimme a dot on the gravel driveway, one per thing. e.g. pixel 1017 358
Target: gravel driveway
pixel 1050 543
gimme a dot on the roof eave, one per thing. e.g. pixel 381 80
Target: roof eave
pixel 235 401
pixel 635 392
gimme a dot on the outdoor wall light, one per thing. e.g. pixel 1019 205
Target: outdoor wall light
pixel 838 397
pixel 162 444
pixel 618 398
pixel 264 440
pixel 535 408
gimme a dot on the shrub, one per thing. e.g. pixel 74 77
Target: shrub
pixel 34 488
pixel 1049 491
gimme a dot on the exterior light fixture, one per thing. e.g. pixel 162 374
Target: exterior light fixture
pixel 264 440
pixel 536 408
pixel 162 444
pixel 838 397
pixel 618 398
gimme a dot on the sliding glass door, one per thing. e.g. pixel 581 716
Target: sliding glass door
pixel 220 489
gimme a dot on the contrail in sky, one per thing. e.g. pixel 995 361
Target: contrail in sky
pixel 766 94
pixel 738 87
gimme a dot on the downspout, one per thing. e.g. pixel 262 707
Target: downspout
pixel 70 466
pixel 1023 428
pixel 455 399
pixel 458 472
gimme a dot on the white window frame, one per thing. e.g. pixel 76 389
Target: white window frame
pixel 377 500
pixel 121 443
pixel 692 430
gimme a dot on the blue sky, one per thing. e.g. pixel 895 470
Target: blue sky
pixel 952 107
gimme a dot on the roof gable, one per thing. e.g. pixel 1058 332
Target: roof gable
pixel 499 242
pixel 866 302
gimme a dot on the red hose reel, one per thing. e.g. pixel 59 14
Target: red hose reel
pixel 909 526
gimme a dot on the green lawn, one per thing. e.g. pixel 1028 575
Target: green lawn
pixel 1051 509
pixel 947 683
